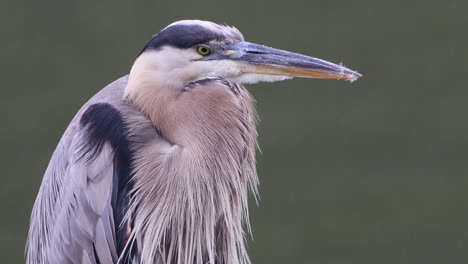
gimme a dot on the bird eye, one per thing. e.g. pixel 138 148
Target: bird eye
pixel 203 50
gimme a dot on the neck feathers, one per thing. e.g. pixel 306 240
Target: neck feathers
pixel 191 181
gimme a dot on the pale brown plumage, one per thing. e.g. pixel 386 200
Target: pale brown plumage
pixel 206 166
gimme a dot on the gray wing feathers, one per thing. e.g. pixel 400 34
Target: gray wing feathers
pixel 85 226
pixel 75 199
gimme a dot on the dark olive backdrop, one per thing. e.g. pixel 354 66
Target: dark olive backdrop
pixel 369 172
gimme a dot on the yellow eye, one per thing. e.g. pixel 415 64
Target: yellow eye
pixel 203 50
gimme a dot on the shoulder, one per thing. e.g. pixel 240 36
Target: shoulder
pixel 103 122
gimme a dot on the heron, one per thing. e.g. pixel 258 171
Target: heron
pixel 158 166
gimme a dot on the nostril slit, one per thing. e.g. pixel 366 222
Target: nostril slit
pixel 256 52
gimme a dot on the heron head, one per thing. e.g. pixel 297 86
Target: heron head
pixel 190 50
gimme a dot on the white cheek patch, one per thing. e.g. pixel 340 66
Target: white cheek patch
pixel 216 68
pixel 255 78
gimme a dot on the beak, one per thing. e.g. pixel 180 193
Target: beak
pixel 260 59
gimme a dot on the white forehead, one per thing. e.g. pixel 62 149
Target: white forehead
pixel 228 31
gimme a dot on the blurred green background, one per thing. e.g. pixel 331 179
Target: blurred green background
pixel 370 172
